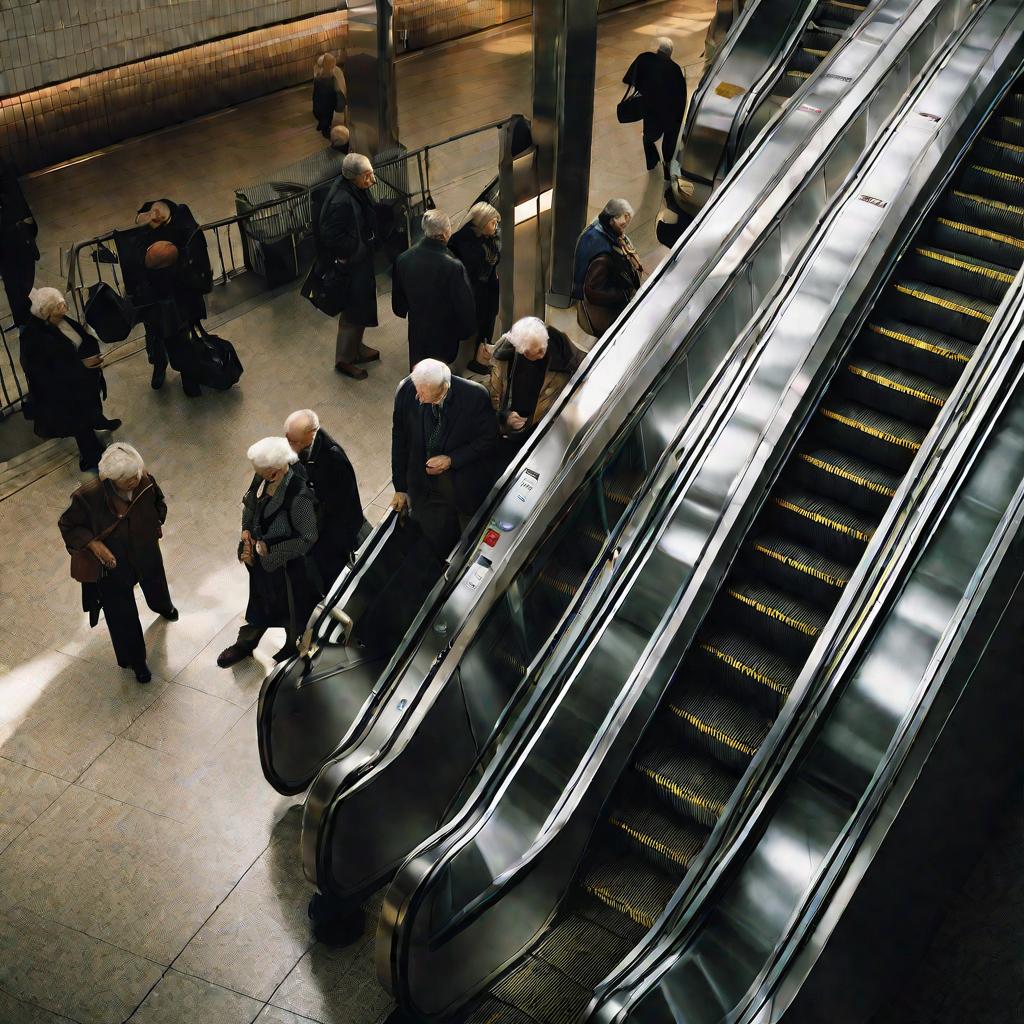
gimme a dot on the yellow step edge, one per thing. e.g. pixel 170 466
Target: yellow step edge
pixel 995 275
pixel 774 613
pixel 935 300
pixel 985 201
pixel 745 669
pixel 710 730
pixel 884 382
pixel 816 517
pixel 832 581
pixel 861 481
pixel 882 435
pixel 606 896
pixel 907 339
pixel 1003 145
pixel 714 806
pixel 676 856
pixel 1005 175
pixel 980 232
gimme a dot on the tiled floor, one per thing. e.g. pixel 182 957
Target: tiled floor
pixel 147 871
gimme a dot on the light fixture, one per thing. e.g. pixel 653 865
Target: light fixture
pixel 532 207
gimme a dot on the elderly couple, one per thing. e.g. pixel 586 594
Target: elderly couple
pixel 299 527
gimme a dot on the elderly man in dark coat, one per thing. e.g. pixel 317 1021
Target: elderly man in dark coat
pixel 345 236
pixel 118 520
pixel 662 84
pixel 63 366
pixel 432 289
pixel 18 252
pixel 443 436
pixel 340 522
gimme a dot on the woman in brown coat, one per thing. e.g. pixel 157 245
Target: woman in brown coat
pixel 529 368
pixel 118 520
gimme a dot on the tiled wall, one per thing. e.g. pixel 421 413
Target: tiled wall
pixel 45 41
pixel 420 23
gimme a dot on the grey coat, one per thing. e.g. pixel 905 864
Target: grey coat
pixel 288 533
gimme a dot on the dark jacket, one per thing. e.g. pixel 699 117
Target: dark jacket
pixel 431 288
pixel 662 84
pixel 134 542
pixel 339 510
pixel 611 281
pixel 563 359
pixel 346 231
pixel 16 221
pixel 594 241
pixel 65 394
pixel 469 436
pixel 472 251
pixel 177 284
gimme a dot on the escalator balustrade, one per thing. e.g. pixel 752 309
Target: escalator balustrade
pixel 788 577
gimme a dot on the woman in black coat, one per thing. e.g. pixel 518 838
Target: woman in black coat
pixel 478 246
pixel 63 367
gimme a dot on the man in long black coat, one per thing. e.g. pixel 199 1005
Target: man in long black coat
pixel 346 232
pixel 340 522
pixel 443 436
pixel 18 252
pixel 662 84
pixel 432 289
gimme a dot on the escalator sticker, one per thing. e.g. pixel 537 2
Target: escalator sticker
pixel 840 78
pixel 729 90
pixel 931 117
pixel 808 109
pixel 874 201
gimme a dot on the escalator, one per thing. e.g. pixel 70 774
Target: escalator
pixel 789 575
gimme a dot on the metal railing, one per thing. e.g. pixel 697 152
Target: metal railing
pixel 12 385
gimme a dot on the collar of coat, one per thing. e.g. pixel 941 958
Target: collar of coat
pixel 560 352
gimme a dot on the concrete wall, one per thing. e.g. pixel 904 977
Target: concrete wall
pixel 45 41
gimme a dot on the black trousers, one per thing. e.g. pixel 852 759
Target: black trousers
pixel 89 448
pixel 156 352
pixel 18 269
pixel 117 595
pixel 437 515
pixel 669 136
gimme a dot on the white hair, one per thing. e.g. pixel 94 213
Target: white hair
pixel 436 224
pixel 120 461
pixel 431 373
pixel 617 207
pixel 665 46
pixel 340 136
pixel 481 214
pixel 302 419
pixel 354 165
pixel 45 301
pixel 527 332
pixel 271 453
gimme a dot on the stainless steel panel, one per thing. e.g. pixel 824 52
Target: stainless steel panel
pixel 370 71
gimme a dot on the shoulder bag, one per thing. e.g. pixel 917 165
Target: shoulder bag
pixel 631 107
pixel 85 566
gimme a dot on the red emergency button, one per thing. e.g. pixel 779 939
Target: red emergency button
pixel 491 538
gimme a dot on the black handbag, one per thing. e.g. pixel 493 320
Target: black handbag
pixel 194 269
pixel 327 286
pixel 631 107
pixel 110 315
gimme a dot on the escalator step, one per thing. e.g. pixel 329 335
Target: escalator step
pixel 862 485
pixel 838 12
pixel 991 246
pixel 565 579
pixel 828 526
pixel 990 181
pixel 493 1011
pixel 893 391
pixel 804 59
pixel 799 569
pixel 690 784
pixel 582 950
pixel 995 152
pixel 957 271
pixel 824 40
pixel 749 669
pixel 632 886
pixel 939 308
pixel 716 724
pixel 669 841
pixel 787 625
pixel 536 989
pixel 602 916
pixel 621 487
pixel 854 428
pixel 1013 104
pixel 919 349
pixel 1006 128
pixel 981 211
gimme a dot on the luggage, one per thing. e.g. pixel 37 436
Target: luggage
pixel 631 107
pixel 206 358
pixel 327 288
pixel 110 315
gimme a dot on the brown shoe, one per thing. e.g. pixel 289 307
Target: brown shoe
pixel 350 371
pixel 233 655
pixel 367 354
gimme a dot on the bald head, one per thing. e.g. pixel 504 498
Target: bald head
pixel 300 428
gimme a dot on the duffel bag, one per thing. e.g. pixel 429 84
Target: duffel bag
pixel 110 315
pixel 327 286
pixel 218 363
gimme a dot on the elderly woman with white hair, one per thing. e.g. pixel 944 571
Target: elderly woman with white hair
pixel 346 232
pixel 278 530
pixel 62 364
pixel 531 365
pixel 113 528
pixel 478 246
pixel 606 269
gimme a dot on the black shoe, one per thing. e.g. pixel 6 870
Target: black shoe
pixel 286 652
pixel 122 664
pixel 156 382
pixel 88 467
pixel 142 673
pixel 106 424
pixel 191 389
pixel 474 367
pixel 171 615
pixel 233 655
pixel 334 923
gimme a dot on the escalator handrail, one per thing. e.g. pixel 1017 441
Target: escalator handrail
pixel 543 840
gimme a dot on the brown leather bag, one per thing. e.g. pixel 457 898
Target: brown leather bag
pixel 85 566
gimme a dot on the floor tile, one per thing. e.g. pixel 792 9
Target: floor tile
pixel 66 972
pixel 275 1015
pixel 14 1011
pixel 143 882
pixel 24 794
pixel 179 999
pixel 184 721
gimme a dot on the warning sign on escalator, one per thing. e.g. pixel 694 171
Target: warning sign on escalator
pixel 729 90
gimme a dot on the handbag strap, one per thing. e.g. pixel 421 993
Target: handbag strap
pixel 107 531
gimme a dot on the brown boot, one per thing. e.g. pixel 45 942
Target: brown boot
pixel 349 370
pixel 367 354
